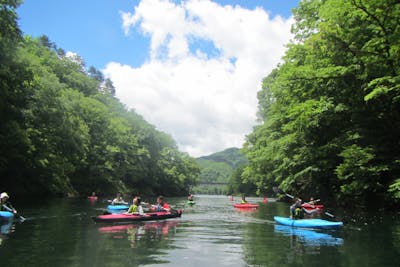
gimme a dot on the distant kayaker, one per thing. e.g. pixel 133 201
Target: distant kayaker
pixel 296 211
pixel 161 205
pixel 243 201
pixel 118 200
pixel 190 197
pixel 135 208
pixel 5 204
pixel 313 201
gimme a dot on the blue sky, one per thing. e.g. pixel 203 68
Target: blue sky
pixel 191 68
pixel 92 28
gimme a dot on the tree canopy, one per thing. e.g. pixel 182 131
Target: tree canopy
pixel 331 111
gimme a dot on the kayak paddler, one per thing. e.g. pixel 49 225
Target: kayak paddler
pixel 296 211
pixel 118 200
pixel 135 208
pixel 161 205
pixel 5 204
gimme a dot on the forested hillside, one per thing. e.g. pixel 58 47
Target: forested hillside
pixel 331 110
pixel 217 169
pixel 62 131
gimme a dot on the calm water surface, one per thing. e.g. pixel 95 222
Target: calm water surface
pixel 211 233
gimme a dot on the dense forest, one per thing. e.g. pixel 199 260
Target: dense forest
pixel 216 172
pixel 330 111
pixel 63 133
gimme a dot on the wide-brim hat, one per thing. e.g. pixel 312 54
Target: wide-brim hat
pixel 3 195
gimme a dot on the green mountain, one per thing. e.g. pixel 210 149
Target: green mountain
pixel 217 168
pixel 231 156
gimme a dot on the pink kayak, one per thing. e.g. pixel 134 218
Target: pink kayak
pixel 246 206
pixel 151 216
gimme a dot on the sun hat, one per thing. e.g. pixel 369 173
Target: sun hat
pixel 3 195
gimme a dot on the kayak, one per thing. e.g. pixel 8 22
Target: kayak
pixel 6 215
pixel 308 223
pixel 309 237
pixel 190 202
pixel 308 206
pixel 117 207
pixel 246 206
pixel 151 216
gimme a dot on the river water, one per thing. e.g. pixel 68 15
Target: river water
pixel 211 233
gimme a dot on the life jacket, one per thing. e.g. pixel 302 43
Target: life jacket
pixel 298 213
pixel 133 208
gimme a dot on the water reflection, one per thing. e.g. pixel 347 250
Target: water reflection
pixel 245 210
pixel 308 237
pixel 6 227
pixel 135 233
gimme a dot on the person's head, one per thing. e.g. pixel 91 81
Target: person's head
pixel 311 199
pixel 136 200
pixel 4 196
pixel 297 200
pixel 160 199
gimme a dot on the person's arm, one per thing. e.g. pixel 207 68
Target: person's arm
pixel 140 210
pixel 9 207
pixel 130 210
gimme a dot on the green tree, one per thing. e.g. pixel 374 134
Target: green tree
pixel 330 112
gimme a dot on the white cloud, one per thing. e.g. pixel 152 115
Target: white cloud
pixel 206 101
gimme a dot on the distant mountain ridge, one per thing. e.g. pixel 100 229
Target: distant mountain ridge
pixel 218 167
pixel 231 156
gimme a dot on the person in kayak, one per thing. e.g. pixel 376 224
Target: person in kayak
pixel 118 200
pixel 243 201
pixel 5 204
pixel 161 205
pixel 135 208
pixel 296 210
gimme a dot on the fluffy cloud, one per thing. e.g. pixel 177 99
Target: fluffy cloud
pixel 205 66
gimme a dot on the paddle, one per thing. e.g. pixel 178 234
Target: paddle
pixel 278 190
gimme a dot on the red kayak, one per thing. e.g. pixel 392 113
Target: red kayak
pixel 151 216
pixel 246 206
pixel 309 206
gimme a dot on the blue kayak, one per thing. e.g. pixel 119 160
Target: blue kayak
pixel 308 223
pixel 6 215
pixel 117 207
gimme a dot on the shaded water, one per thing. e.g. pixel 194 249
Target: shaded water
pixel 211 233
